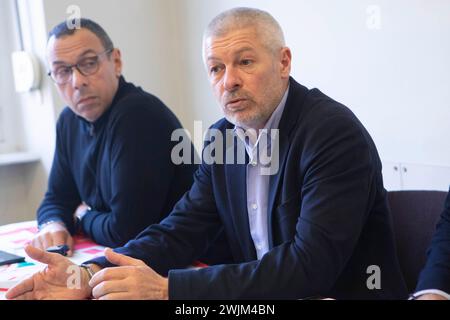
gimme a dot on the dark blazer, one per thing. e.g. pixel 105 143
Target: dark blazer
pixel 436 273
pixel 328 217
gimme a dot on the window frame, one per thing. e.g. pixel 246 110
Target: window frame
pixel 10 104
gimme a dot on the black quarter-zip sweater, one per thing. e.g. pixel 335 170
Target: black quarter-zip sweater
pixel 120 166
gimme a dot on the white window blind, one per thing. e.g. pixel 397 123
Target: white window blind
pixel 9 100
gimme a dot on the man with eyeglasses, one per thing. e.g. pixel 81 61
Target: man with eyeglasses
pixel 112 174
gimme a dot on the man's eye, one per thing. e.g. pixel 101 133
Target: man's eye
pixel 214 69
pixel 63 71
pixel 246 62
pixel 88 63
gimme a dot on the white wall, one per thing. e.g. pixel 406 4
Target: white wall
pixel 11 126
pixel 22 185
pixel 396 78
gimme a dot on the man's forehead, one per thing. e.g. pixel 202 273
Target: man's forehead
pixel 72 46
pixel 232 43
pixel 233 34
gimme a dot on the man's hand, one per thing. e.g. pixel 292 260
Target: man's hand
pixel 431 296
pixel 82 210
pixel 61 280
pixel 132 280
pixel 53 234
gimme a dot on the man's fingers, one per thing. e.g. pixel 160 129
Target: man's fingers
pixel 121 260
pixel 108 287
pixel 47 240
pixel 40 255
pixel 36 242
pixel 59 238
pixel 108 274
pixel 20 289
pixel 26 296
pixel 70 245
pixel 116 296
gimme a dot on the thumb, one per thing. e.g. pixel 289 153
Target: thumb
pixel 70 245
pixel 121 260
pixel 40 255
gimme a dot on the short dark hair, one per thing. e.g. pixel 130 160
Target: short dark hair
pixel 64 29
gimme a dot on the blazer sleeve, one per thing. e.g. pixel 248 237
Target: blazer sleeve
pixel 338 193
pixel 436 273
pixel 181 237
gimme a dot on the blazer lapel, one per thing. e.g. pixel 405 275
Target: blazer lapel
pixel 274 182
pixel 236 177
pixel 289 119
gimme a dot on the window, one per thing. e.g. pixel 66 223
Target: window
pixel 9 100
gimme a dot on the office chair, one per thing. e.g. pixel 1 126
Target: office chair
pixel 415 215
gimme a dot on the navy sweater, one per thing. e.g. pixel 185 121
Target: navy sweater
pixel 120 166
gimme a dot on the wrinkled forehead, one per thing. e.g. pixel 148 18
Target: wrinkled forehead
pixel 69 48
pixel 231 43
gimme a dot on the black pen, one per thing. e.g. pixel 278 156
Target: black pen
pixel 62 250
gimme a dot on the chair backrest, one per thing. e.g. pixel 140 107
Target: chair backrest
pixel 415 215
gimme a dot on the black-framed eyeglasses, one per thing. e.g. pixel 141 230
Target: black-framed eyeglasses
pixel 86 66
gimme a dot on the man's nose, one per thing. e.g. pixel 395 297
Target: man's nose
pixel 78 79
pixel 232 80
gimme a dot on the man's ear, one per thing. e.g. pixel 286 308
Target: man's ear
pixel 285 62
pixel 116 56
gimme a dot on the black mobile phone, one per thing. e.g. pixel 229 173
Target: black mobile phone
pixel 62 250
pixel 9 258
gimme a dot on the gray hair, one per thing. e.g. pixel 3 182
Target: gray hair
pixel 267 28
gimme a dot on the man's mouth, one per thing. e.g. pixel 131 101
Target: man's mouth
pixel 235 104
pixel 86 100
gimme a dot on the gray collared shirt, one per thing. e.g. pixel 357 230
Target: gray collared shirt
pixel 257 182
